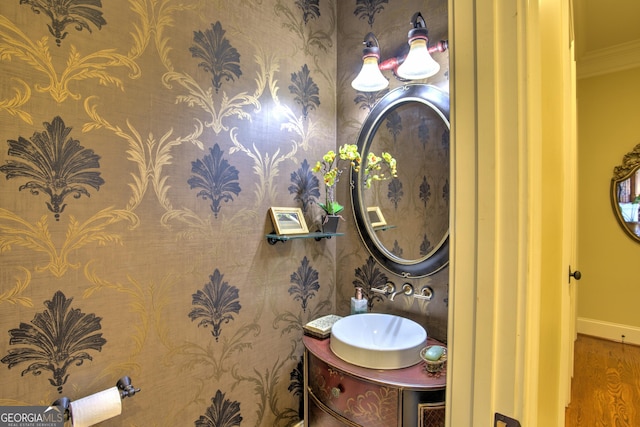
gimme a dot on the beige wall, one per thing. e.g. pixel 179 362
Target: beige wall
pixel 193 304
pixel 608 112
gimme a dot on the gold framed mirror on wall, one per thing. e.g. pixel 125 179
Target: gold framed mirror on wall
pixel 625 193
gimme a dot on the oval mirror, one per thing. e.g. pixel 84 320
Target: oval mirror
pixel 404 221
pixel 625 193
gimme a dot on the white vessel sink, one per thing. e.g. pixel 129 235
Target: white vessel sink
pixel 378 341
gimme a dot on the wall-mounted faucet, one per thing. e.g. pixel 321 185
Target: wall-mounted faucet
pixel 426 293
pixel 389 289
pixel 407 289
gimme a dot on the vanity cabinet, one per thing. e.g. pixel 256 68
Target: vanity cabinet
pixel 340 394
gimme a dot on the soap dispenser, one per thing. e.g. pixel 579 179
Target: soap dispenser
pixel 358 302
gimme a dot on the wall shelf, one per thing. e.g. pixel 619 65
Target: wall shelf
pixel 273 238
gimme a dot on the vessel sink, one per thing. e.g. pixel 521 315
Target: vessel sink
pixel 378 341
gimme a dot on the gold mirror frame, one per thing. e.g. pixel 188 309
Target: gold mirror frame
pixel 621 196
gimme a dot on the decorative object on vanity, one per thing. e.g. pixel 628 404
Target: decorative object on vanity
pixel 418 244
pixel 625 193
pixel 377 168
pixel 434 357
pixel 321 327
pixel 358 302
pixel 412 63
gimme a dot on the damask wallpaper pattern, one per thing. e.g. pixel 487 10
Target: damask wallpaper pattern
pixel 145 142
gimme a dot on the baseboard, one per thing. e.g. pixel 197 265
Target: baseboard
pixel 607 330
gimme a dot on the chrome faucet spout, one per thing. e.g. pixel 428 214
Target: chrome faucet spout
pixel 407 289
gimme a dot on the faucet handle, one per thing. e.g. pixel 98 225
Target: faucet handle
pixel 426 293
pixel 388 289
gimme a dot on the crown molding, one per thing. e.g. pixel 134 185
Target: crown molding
pixel 609 60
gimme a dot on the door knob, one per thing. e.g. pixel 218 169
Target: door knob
pixel 576 274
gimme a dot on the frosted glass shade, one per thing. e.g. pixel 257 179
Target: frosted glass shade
pixel 419 64
pixel 370 78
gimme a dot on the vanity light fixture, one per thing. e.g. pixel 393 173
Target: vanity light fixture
pixel 414 65
pixel 370 78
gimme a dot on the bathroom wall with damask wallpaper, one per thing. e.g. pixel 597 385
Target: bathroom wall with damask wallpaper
pixel 141 145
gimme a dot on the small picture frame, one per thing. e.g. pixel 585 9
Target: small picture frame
pixel 288 221
pixel 375 217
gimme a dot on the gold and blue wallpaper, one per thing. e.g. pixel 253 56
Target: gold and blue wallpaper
pixel 142 143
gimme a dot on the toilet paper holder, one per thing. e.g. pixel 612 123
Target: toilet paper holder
pixel 123 384
pixel 125 387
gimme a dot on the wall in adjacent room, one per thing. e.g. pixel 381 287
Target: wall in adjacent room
pixel 608 129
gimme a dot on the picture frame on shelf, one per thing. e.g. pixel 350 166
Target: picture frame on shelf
pixel 375 217
pixel 288 221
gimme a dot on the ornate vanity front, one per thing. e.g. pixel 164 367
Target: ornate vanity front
pixel 338 393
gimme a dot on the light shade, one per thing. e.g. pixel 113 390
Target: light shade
pixel 414 65
pixel 370 78
pixel 419 64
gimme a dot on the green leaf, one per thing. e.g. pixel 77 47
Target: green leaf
pixel 332 208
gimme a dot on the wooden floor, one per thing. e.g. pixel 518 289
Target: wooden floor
pixel 605 391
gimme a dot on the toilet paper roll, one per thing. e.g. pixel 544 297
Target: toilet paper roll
pixel 95 408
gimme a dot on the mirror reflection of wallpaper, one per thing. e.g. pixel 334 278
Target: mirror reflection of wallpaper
pixel 416 202
pixel 144 143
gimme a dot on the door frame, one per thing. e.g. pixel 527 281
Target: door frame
pixel 507 60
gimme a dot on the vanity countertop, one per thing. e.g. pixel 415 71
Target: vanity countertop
pixel 414 377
